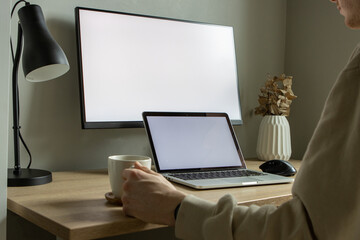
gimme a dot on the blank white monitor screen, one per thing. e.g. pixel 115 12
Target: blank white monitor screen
pixel 134 63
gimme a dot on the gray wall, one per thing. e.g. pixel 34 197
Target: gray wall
pixel 50 111
pixel 4 108
pixel 318 45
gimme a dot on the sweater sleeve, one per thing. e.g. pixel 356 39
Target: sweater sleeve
pixel 199 219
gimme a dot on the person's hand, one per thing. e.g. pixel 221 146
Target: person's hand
pixel 148 196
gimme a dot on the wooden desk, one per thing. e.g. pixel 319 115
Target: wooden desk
pixel 73 205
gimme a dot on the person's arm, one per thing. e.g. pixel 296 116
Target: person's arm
pixel 149 196
pixel 199 219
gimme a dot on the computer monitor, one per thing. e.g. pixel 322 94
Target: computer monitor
pixel 131 63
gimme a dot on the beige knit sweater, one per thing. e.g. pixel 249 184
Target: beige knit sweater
pixel 326 203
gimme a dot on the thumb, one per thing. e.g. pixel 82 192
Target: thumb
pixel 139 166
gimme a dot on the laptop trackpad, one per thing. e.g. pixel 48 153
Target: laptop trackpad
pixel 243 180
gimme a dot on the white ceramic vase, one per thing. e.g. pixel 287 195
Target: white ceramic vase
pixel 274 138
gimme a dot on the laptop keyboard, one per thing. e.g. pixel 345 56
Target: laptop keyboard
pixel 215 174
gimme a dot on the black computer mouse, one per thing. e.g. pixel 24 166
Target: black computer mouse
pixel 280 167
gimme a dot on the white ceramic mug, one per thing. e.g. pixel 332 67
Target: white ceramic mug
pixel 117 164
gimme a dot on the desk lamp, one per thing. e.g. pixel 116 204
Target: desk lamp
pixel 42 60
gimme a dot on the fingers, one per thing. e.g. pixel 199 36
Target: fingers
pixel 137 171
pixel 126 173
pixel 141 167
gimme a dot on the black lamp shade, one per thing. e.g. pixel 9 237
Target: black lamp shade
pixel 43 59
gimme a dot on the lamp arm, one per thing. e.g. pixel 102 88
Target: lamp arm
pixel 15 92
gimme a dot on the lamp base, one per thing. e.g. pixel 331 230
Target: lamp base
pixel 28 177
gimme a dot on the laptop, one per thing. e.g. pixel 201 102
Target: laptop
pixel 200 150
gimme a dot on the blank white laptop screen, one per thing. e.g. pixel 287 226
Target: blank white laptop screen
pixel 193 142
